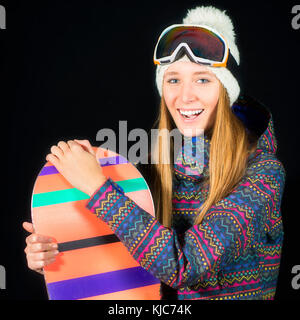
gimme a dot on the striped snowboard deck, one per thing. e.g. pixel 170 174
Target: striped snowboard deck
pixel 92 263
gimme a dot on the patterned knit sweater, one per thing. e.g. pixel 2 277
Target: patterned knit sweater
pixel 235 252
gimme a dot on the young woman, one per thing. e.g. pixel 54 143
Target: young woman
pixel 218 232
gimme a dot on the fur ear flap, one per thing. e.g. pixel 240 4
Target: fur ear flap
pixel 211 17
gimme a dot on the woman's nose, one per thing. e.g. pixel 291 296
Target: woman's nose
pixel 187 93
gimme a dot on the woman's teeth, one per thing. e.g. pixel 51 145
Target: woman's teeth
pixel 191 113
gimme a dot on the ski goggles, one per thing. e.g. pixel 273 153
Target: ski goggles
pixel 202 45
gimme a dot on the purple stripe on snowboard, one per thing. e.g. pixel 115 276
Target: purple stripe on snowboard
pixel 99 284
pixel 103 161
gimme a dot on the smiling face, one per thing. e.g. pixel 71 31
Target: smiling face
pixel 191 93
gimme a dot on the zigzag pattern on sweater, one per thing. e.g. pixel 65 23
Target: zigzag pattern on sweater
pixel 155 249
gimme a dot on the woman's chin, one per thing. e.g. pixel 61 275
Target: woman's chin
pixel 191 130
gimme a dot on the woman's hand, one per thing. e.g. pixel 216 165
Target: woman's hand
pixel 40 250
pixel 76 161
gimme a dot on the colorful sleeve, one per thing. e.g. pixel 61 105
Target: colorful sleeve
pixel 228 228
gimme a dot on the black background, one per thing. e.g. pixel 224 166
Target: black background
pixel 71 68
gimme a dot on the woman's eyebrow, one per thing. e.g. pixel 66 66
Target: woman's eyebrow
pixel 171 73
pixel 201 72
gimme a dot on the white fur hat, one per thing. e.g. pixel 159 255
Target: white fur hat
pixel 219 21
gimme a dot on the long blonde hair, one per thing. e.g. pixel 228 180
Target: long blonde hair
pixel 229 151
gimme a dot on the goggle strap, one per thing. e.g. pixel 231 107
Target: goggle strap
pixel 234 68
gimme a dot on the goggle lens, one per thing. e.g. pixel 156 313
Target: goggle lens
pixel 203 43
